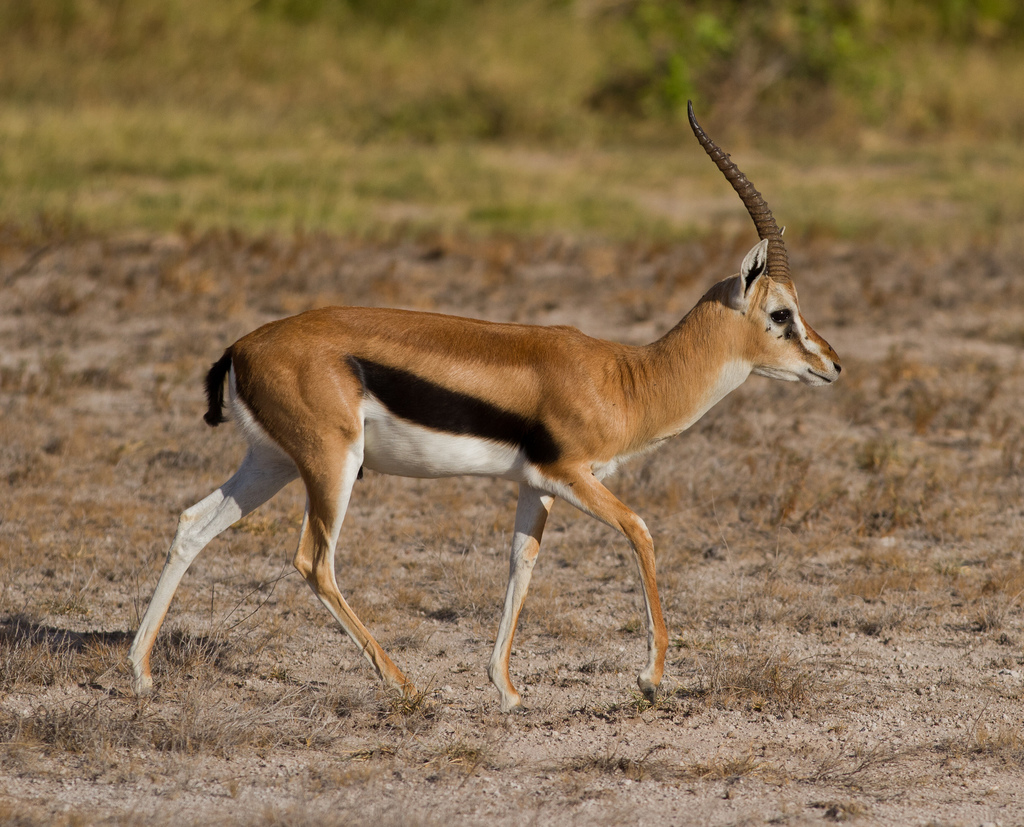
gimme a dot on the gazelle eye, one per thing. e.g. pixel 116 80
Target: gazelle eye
pixel 781 316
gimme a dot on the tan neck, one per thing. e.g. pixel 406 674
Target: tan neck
pixel 693 366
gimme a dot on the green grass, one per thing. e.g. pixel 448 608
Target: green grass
pixel 480 117
pixel 111 167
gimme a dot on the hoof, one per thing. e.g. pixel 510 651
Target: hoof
pixel 142 686
pixel 512 705
pixel 649 689
pixel 405 697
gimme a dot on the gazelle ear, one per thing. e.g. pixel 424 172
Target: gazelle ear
pixel 754 265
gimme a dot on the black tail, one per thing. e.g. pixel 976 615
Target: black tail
pixel 215 390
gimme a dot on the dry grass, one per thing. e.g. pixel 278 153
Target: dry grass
pixel 841 570
pixel 753 677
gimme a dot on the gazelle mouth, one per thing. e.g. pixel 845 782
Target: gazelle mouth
pixel 822 376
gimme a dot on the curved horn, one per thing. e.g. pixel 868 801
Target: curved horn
pixel 778 258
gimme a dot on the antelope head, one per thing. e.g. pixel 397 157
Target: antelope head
pixel 783 345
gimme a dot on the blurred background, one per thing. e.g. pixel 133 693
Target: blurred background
pixel 857 119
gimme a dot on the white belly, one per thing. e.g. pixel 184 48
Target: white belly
pixel 396 446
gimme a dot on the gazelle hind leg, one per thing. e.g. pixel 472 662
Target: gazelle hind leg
pixel 327 501
pixel 262 474
pixel 531 514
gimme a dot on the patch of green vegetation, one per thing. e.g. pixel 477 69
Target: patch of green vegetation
pixel 563 72
pixel 537 117
pixel 157 169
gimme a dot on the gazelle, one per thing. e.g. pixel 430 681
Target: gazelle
pixel 327 393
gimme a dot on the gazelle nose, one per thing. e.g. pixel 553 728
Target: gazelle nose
pixel 838 367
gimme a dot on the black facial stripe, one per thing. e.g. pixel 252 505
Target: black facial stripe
pixel 418 400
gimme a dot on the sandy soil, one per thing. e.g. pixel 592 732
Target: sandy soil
pixel 840 568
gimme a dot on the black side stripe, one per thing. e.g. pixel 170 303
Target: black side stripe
pixel 418 400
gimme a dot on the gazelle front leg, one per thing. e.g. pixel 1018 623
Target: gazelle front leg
pixel 587 493
pixel 531 514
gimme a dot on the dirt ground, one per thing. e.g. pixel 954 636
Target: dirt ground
pixel 841 568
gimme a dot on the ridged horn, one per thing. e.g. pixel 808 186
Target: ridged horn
pixel 778 258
